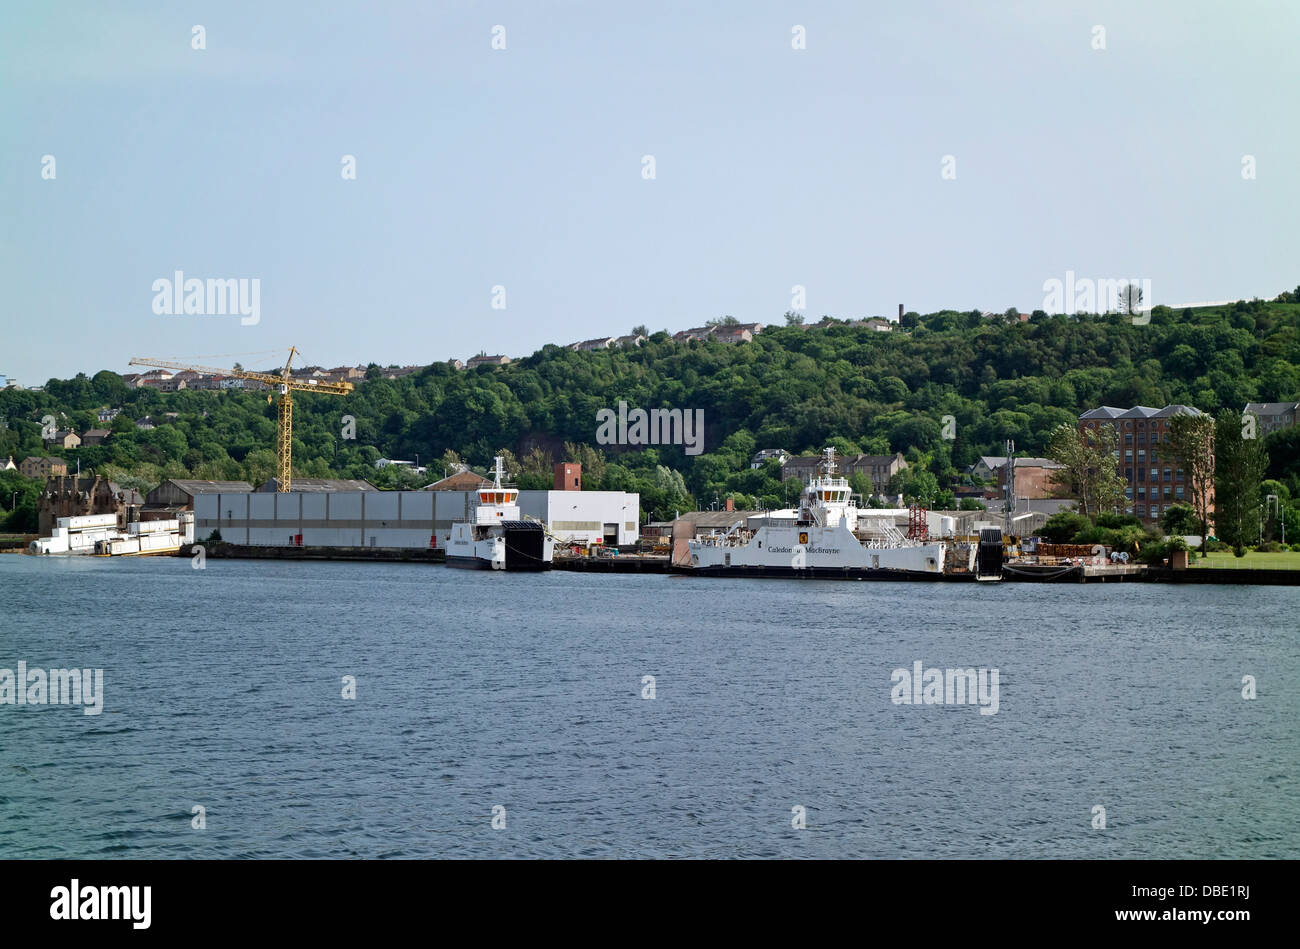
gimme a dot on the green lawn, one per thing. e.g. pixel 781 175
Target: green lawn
pixel 1287 560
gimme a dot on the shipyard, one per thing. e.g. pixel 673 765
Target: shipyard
pixel 584 432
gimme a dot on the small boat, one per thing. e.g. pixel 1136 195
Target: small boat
pixel 497 536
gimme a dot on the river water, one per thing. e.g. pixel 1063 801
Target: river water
pixel 223 689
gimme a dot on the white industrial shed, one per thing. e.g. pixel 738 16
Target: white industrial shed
pixel 400 518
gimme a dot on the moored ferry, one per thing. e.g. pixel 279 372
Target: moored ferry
pixel 497 536
pixel 825 538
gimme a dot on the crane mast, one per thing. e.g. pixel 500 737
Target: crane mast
pixel 286 386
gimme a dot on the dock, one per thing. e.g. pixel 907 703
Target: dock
pixel 623 563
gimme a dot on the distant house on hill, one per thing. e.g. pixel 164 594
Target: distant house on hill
pixel 685 336
pixel 65 439
pixel 1274 416
pixel 732 334
pixel 588 345
pixel 95 436
pixel 485 360
pixel 633 340
pixel 767 454
pixel 879 468
pixel 42 466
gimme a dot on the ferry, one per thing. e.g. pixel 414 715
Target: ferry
pixel 822 540
pixel 497 536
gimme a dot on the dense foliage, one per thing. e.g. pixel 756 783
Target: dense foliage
pixel 795 388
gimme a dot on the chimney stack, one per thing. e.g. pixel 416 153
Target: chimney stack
pixel 900 312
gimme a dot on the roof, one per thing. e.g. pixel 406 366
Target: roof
pixel 459 481
pixel 1171 410
pixel 38 458
pixel 320 484
pixel 1106 411
pixel 1140 411
pixel 210 487
pixel 1271 408
pixel 96 433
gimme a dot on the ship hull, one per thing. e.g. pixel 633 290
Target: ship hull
pixel 815 553
pixel 818 573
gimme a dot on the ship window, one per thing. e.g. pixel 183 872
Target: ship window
pixel 483 497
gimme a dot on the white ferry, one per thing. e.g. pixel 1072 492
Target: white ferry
pixel 821 540
pixel 496 536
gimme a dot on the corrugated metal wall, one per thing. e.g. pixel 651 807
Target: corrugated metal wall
pixel 396 518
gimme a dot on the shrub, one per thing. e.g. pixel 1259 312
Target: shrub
pixel 1270 547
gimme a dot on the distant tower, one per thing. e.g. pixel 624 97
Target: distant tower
pixel 568 476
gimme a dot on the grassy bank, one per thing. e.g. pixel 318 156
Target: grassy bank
pixel 1285 560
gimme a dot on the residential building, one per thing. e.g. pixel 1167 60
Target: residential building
pixel 1152 477
pixel 107 415
pixel 95 436
pixel 633 340
pixel 42 466
pixel 484 360
pixel 587 345
pixel 685 336
pixel 9 465
pixel 1273 416
pixel 879 468
pixel 732 334
pixel 767 454
pixel 65 440
pixel 159 379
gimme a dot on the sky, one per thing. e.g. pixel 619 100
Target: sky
pixel 934 154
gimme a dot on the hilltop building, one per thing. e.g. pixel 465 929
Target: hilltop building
pixel 42 466
pixel 1273 416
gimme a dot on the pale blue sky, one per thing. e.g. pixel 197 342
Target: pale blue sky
pixel 522 167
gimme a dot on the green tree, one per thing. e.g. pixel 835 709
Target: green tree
pixel 1239 466
pixel 1191 445
pixel 1089 467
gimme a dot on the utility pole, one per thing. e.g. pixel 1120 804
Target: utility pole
pixel 1009 504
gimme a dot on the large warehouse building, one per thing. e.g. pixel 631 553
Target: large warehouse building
pixel 325 518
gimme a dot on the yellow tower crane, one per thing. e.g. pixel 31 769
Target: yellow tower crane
pixel 286 385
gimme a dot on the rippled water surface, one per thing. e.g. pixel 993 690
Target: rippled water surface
pixel 223 689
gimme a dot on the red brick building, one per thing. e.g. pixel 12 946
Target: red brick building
pixel 1154 480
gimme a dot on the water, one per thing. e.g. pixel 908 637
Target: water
pixel 223 689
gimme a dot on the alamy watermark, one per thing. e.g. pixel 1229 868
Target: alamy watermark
pixel 213 297
pixel 1085 295
pixel 656 427
pixel 921 686
pixel 83 687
